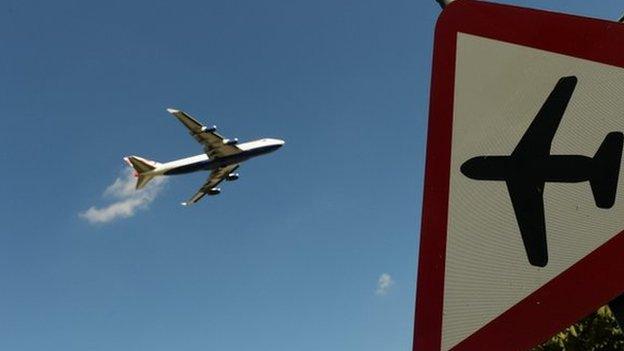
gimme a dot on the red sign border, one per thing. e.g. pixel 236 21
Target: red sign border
pixel 579 290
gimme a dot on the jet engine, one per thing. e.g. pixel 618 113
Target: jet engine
pixel 214 191
pixel 230 141
pixel 231 177
pixel 209 129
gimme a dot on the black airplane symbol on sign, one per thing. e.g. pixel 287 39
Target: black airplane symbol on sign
pixel 531 165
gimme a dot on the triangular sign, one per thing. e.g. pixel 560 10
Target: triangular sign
pixel 524 202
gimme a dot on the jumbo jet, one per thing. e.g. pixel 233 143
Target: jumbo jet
pixel 531 165
pixel 221 157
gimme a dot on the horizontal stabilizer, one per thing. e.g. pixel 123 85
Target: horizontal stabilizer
pixel 141 165
pixel 142 180
pixel 606 169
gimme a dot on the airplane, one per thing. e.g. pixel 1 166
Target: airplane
pixel 221 156
pixel 531 165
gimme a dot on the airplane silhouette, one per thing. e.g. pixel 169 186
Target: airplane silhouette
pixel 531 165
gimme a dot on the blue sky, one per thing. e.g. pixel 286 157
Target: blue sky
pixel 289 257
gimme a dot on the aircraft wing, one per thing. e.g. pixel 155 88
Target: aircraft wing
pixel 215 145
pixel 528 204
pixel 537 140
pixel 214 179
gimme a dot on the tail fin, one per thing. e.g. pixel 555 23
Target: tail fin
pixel 142 168
pixel 604 177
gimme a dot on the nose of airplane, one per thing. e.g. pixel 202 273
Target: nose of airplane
pixel 279 142
pixel 467 168
pixel 471 167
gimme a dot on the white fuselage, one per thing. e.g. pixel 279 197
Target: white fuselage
pixel 204 163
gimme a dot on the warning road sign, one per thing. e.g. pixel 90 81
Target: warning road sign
pixel 524 202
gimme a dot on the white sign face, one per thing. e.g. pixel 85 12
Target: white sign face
pixel 499 90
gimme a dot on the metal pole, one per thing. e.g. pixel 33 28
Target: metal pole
pixel 443 3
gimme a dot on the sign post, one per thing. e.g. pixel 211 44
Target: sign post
pixel 523 215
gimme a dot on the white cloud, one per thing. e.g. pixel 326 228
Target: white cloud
pixel 384 283
pixel 128 200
